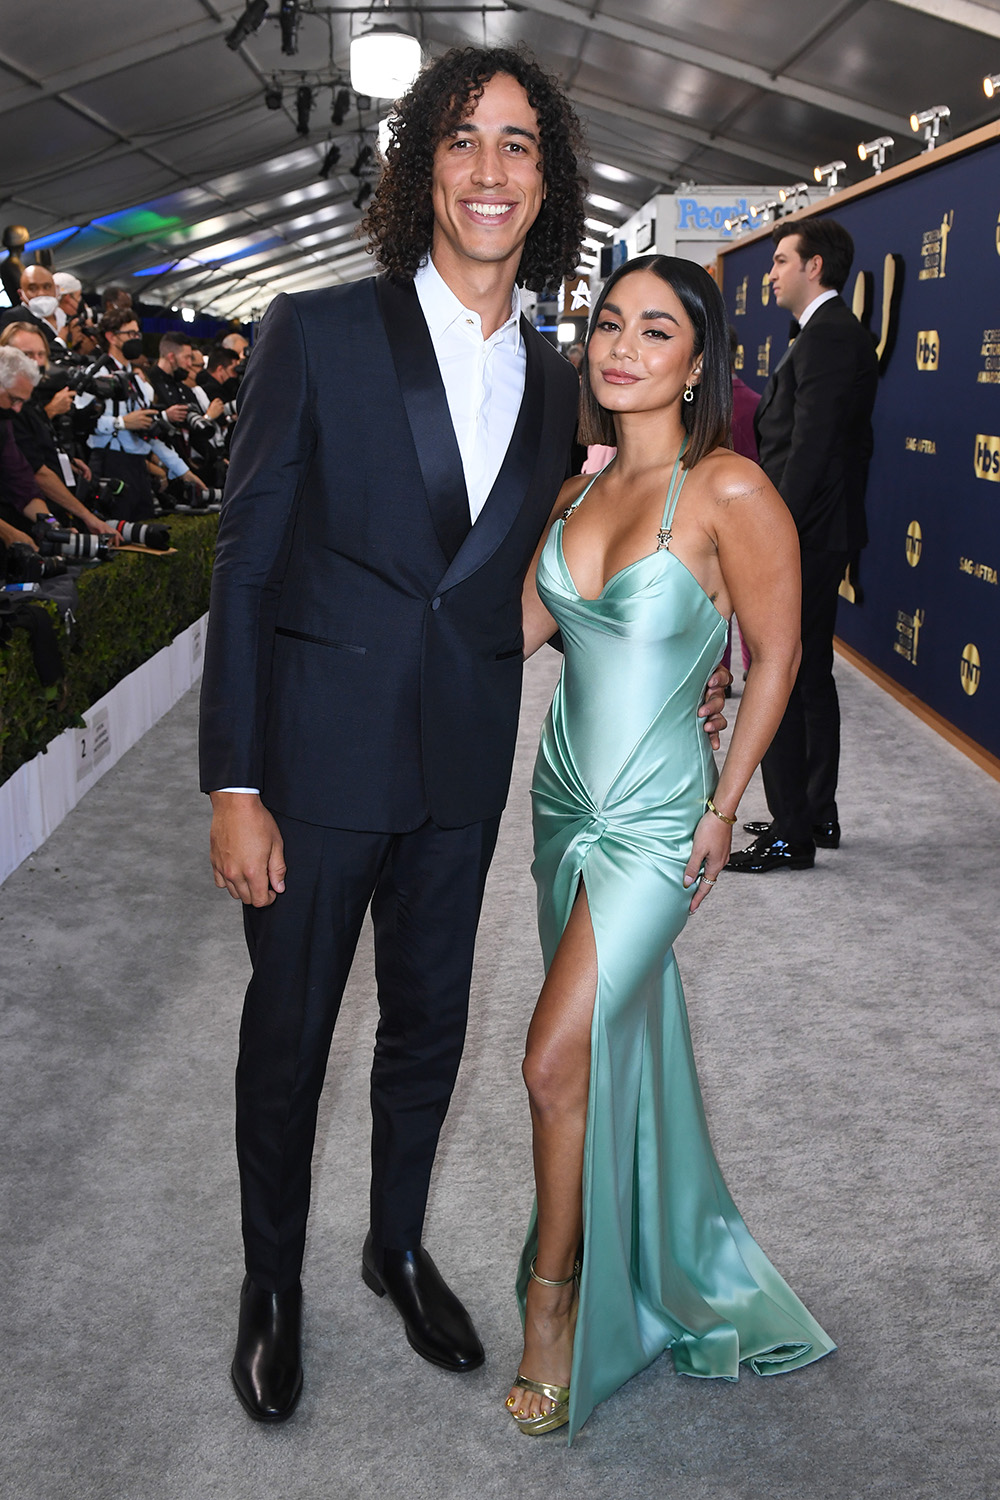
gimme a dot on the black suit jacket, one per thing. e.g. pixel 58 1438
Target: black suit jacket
pixel 24 314
pixel 814 429
pixel 364 649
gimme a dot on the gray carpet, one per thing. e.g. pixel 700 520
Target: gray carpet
pixel 845 1021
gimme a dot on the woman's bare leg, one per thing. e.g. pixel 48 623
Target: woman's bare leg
pixel 557 1074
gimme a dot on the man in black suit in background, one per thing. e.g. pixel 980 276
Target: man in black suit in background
pixel 400 445
pixel 814 437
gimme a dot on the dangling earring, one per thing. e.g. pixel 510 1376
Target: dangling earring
pixel 689 392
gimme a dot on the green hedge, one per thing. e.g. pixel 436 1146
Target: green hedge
pixel 130 608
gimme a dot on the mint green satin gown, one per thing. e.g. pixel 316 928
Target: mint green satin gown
pixel 623 772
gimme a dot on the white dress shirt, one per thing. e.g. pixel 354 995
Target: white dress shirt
pixel 483 378
pixel 807 312
pixel 483 383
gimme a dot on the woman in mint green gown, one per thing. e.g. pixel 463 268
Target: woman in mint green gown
pixel 635 1245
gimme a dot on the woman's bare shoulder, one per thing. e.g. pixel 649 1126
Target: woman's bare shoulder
pixel 729 477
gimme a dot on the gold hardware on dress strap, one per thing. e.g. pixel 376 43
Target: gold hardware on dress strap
pixel 663 539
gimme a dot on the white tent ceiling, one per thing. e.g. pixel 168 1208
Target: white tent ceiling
pixel 139 147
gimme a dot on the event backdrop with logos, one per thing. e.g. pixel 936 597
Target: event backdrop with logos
pixel 926 595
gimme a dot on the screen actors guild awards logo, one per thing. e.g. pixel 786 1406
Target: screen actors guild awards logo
pixel 987 457
pixel 928 349
pixel 908 628
pixel 934 249
pixel 921 445
pixel 764 359
pixel 990 354
pixel 914 543
pixel 970 669
pixel 741 297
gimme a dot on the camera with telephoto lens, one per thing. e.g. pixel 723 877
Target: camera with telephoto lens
pixel 19 563
pixel 197 499
pixel 141 534
pixel 72 546
pixel 100 494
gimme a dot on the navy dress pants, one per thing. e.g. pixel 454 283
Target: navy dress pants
pixel 425 890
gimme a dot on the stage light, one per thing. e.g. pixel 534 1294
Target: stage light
pixel 830 174
pixel 991 84
pixel 288 20
pixel 250 21
pixel 303 108
pixel 764 210
pixel 600 225
pixel 187 313
pixel 566 333
pixel 929 120
pixel 362 160
pixel 875 151
pixel 341 104
pixel 797 190
pixel 384 62
pixel 272 94
pixel 362 195
pixel 330 160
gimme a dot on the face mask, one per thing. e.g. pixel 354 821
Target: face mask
pixel 60 320
pixel 132 348
pixel 43 307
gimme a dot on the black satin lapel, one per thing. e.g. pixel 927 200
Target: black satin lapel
pixel 427 412
pixel 511 486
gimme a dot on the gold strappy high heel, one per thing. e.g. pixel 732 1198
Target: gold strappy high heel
pixel 559 1415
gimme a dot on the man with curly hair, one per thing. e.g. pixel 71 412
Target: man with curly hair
pixel 400 444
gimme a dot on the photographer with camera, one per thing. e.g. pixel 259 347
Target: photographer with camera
pixel 52 466
pixel 39 300
pixel 129 427
pixel 78 332
pixel 218 379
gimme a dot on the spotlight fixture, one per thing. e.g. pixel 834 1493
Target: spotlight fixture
pixel 929 120
pixel 566 332
pixel 250 21
pixel 341 104
pixel 875 150
pixel 797 190
pixel 288 20
pixel 272 94
pixel 362 195
pixel 361 161
pixel 384 62
pixel 991 85
pixel 830 174
pixel 765 210
pixel 330 160
pixel 303 108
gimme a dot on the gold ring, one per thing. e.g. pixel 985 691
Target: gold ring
pixel 707 881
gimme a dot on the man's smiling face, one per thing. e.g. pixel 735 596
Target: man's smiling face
pixel 487 186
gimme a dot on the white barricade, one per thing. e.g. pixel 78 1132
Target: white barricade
pixel 34 801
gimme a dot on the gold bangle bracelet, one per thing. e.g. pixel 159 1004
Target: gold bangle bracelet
pixel 713 809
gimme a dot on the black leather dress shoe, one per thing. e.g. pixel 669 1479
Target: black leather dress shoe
pixel 267 1366
pixel 825 835
pixel 768 853
pixel 437 1325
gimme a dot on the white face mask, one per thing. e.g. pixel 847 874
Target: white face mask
pixel 60 320
pixel 43 307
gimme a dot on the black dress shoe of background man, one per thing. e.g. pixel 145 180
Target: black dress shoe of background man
pixel 267 1366
pixel 437 1325
pixel 768 853
pixel 825 835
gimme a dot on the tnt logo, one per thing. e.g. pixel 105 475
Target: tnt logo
pixel 928 349
pixel 914 543
pixel 970 669
pixel 987 459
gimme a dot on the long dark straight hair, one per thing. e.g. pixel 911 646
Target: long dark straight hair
pixel 708 418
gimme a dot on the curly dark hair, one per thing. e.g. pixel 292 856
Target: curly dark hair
pixel 400 219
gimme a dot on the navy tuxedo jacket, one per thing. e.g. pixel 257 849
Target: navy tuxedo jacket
pixel 364 650
pixel 814 428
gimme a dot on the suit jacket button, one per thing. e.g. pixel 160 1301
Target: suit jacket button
pixel 435 604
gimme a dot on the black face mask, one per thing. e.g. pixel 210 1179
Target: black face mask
pixel 132 348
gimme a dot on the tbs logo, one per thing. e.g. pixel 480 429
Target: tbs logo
pixel 928 349
pixel 987 459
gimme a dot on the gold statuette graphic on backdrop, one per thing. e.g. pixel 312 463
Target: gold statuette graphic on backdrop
pixel 928 349
pixel 934 249
pixel 970 669
pixel 987 457
pixel 914 543
pixel 738 358
pixel 765 289
pixel 741 297
pixel 764 359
